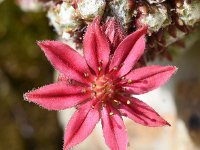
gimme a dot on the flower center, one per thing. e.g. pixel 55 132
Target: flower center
pixel 103 88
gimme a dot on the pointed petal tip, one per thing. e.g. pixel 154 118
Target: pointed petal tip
pixel 41 42
pixel 161 123
pixel 171 69
pixel 164 123
pixel 44 43
pixel 27 96
pixel 48 42
pixel 174 69
pixel 168 124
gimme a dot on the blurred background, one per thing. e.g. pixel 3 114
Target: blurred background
pixel 22 67
pixel 25 126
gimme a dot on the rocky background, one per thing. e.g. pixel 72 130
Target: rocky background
pixel 24 126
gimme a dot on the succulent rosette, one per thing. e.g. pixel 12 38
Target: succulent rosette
pixel 101 84
pixel 168 21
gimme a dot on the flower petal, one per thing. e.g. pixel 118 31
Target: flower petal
pixel 113 129
pixel 58 96
pixel 148 78
pixel 81 125
pixel 127 47
pixel 140 112
pixel 62 78
pixel 114 32
pixel 96 47
pixel 134 55
pixel 66 60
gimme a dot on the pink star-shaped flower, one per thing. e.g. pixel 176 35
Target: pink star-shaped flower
pixel 101 85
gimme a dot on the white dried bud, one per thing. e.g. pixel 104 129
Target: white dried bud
pixel 155 1
pixel 189 13
pixel 90 9
pixel 123 10
pixel 157 20
pixel 64 19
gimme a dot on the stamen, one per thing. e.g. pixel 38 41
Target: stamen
pixel 95 93
pixel 94 85
pixel 111 113
pixel 86 74
pixel 130 81
pixel 103 104
pixel 115 68
pixel 92 107
pixel 84 90
pixel 123 78
pixel 121 64
pixel 99 68
pixel 116 102
pixel 128 102
pixel 123 88
pixel 101 62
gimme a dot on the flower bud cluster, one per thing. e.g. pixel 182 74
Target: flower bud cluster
pixel 168 21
